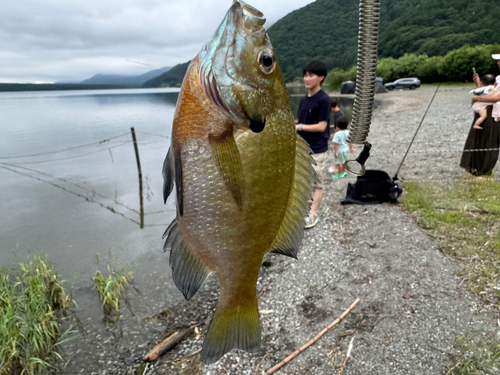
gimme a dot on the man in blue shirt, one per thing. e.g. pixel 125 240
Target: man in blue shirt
pixel 313 126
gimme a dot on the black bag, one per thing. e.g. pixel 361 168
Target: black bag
pixel 372 188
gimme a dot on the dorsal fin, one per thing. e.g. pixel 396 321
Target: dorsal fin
pixel 188 271
pixel 290 234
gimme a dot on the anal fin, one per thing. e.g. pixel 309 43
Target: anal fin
pixel 188 271
pixel 227 159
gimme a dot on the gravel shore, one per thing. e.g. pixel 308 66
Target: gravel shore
pixel 412 305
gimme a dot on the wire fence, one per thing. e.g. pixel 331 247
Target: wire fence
pixel 23 165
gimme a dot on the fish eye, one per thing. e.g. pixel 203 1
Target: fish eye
pixel 267 62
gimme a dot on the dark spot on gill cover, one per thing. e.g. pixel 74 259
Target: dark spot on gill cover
pixel 257 123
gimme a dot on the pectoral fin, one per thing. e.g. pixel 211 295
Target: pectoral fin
pixel 290 234
pixel 168 175
pixel 227 158
pixel 179 189
pixel 188 271
pixel 172 172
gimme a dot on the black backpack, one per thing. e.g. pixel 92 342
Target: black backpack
pixel 372 188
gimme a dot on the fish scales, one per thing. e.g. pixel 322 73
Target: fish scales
pixel 242 176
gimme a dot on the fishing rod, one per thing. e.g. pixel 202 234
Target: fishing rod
pixel 396 177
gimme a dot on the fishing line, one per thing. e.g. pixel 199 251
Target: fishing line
pixel 75 156
pixel 153 134
pixel 447 180
pixel 421 121
pixel 159 212
pixel 439 151
pixel 66 149
pixel 436 151
pixel 152 147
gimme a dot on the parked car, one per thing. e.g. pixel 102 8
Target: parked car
pixel 403 83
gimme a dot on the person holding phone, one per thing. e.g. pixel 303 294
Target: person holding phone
pixel 488 139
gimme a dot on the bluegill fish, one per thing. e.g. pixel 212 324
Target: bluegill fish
pixel 242 176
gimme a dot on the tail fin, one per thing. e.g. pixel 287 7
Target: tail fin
pixel 232 328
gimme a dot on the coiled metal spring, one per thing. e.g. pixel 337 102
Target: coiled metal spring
pixel 369 19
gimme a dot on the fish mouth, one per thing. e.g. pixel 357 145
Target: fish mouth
pixel 254 18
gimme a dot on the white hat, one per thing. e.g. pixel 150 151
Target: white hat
pixel 496 57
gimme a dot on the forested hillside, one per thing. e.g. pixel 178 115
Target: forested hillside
pixel 327 30
pixel 172 78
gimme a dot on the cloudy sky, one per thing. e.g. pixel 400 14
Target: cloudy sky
pixel 71 40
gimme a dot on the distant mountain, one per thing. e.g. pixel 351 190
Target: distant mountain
pixel 120 80
pixel 53 87
pixel 172 78
pixel 327 30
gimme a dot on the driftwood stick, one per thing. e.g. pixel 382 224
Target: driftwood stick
pixel 168 344
pixel 318 336
pixel 346 357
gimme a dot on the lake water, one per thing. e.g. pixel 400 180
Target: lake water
pixel 74 202
pixel 69 188
pixel 57 202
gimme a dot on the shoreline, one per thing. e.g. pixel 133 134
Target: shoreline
pixel 411 300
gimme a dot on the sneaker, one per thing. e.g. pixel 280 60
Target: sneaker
pixel 311 220
pixel 341 175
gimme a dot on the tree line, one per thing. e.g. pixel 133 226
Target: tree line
pixel 455 66
pixel 327 30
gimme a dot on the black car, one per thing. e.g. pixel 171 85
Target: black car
pixel 403 83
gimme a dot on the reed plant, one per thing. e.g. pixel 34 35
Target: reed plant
pixel 33 303
pixel 112 288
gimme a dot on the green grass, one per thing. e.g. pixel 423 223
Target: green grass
pixel 476 353
pixel 32 304
pixel 112 288
pixel 465 218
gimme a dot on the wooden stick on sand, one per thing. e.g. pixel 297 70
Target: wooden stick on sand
pixel 318 336
pixel 168 344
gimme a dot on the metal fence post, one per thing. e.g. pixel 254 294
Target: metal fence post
pixel 141 199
